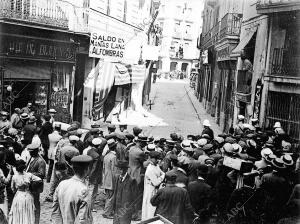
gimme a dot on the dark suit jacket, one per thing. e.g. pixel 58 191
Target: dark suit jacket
pixel 200 194
pixel 174 204
pixel 181 177
pixel 208 131
pixel 46 129
pixel 124 198
pixel 29 131
pixel 37 166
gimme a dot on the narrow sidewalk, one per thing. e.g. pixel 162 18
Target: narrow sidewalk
pixel 201 112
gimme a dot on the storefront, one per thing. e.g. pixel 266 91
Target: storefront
pixel 37 70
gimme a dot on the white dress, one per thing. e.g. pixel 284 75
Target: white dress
pixel 3 202
pixel 153 178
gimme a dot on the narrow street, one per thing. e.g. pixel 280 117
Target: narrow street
pixel 175 103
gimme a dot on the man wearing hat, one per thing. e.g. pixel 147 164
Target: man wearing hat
pixel 36 166
pixel 4 122
pixel 109 172
pixel 136 131
pixel 153 178
pixel 52 113
pixel 201 194
pixel 29 130
pixel 207 130
pixel 27 109
pixel 239 129
pixel 22 122
pixel 111 128
pixel 123 127
pixel 46 129
pixel 121 148
pixel 15 117
pixel 125 195
pixel 173 202
pixel 96 168
pixel 71 198
pixel 276 189
pixel 136 159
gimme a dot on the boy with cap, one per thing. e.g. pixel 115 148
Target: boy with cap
pixel 124 195
pixel 173 202
pixel 71 198
pixel 153 178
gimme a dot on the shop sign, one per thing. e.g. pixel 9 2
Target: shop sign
pixel 107 46
pixel 60 101
pixel 31 48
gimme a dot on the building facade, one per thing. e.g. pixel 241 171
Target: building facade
pixel 180 24
pixel 38 57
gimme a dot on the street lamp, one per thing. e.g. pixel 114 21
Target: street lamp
pixel 9 89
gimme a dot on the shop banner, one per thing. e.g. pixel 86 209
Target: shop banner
pixel 108 46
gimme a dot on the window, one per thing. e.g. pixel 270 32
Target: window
pixel 188 29
pixel 177 27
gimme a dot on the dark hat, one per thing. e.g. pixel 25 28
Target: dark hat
pixel 81 159
pixel 120 136
pixel 171 176
pixel 136 130
pixel 122 164
pixel 150 139
pixel 154 154
pixel 170 142
pixel 60 166
pixel 142 138
pixel 162 140
pixel 269 158
pixel 288 160
pixel 32 119
pixel 111 127
pixel 174 136
pixel 129 136
pixel 95 126
pixel 122 125
pixel 278 163
pixel 111 143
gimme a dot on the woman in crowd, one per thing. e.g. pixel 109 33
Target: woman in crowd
pixel 22 209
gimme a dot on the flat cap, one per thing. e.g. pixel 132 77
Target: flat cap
pixel 73 138
pixel 201 142
pixel 120 136
pixel 129 136
pixel 230 140
pixel 81 159
pixel 96 141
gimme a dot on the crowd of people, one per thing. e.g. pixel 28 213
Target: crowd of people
pixel 248 175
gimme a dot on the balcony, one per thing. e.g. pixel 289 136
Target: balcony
pixel 187 36
pixel 230 25
pixel 215 33
pixel 177 35
pixel 33 12
pixel 285 62
pixel 273 6
pixel 207 39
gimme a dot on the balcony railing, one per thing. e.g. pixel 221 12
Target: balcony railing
pixel 207 39
pixel 230 25
pixel 30 12
pixel 215 33
pixel 285 62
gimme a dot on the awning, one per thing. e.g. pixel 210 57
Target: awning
pixel 243 42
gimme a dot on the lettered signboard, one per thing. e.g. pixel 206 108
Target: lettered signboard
pixel 109 47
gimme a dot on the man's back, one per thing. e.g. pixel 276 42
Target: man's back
pixel 173 203
pixel 71 203
pixel 67 153
pixel 136 159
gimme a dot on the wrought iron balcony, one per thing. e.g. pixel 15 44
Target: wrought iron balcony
pixel 30 12
pixel 207 39
pixel 230 25
pixel 285 62
pixel 215 33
